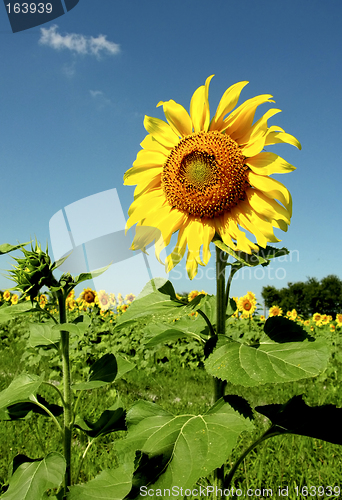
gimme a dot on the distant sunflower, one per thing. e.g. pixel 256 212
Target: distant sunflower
pixel 103 300
pixel 246 305
pixel 203 177
pixel 275 311
pixel 87 297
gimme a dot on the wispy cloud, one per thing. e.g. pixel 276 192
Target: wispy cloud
pixel 76 43
pixel 100 98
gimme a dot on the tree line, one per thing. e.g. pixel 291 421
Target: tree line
pixel 309 297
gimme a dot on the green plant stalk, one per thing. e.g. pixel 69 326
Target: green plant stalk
pixel 67 392
pixel 221 307
pixel 268 434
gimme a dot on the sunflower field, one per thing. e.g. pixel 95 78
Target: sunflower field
pixel 171 375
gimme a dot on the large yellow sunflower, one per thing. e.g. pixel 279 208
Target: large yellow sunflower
pixel 200 177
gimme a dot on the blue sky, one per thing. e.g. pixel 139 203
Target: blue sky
pixel 74 92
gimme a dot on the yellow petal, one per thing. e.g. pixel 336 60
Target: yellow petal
pixel 161 131
pixel 240 120
pixel 191 264
pixel 146 183
pixel 268 164
pixel 272 189
pixel 199 107
pixel 267 207
pixel 178 117
pixel 134 174
pixel 274 137
pixel 259 129
pixel 152 200
pixel 150 143
pixel 178 252
pixel 227 103
pixel 149 158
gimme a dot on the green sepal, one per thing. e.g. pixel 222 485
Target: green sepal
pixel 262 257
pixel 6 247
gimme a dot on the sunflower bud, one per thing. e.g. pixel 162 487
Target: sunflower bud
pixel 33 271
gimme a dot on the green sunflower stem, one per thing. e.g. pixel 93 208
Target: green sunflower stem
pixel 221 307
pixel 67 431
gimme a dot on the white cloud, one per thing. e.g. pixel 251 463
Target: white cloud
pixel 79 44
pixel 100 98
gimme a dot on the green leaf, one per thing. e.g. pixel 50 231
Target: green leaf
pixel 189 446
pixel 268 362
pixel 83 322
pixel 109 485
pixel 186 327
pixel 66 327
pixel 90 276
pixel 6 247
pixel 43 334
pixel 21 410
pixel 32 479
pixel 279 329
pixel 9 312
pixel 102 372
pixel 124 366
pixel 109 421
pixel 59 262
pixel 20 389
pixel 296 417
pixel 262 257
pixel 163 300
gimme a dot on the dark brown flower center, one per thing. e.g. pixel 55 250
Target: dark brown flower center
pixel 205 175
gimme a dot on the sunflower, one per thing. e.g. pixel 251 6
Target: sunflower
pixel 275 311
pixel 316 317
pixel 246 306
pixel 7 295
pixel 203 176
pixel 87 297
pixel 130 297
pixel 14 299
pixel 103 300
pixel 339 319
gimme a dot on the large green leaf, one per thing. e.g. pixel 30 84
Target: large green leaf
pixel 20 389
pixel 31 480
pixel 102 372
pixel 158 333
pixel 109 421
pixel 268 362
pixel 296 417
pixel 188 446
pixel 161 300
pixel 43 334
pixel 9 312
pixel 124 366
pixel 109 485
pixel 21 410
